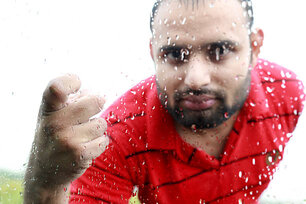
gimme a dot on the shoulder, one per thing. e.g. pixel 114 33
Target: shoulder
pixel 132 103
pixel 271 72
pixel 127 117
pixel 282 93
pixel 281 85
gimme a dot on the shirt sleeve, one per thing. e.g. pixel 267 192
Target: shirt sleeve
pixel 106 181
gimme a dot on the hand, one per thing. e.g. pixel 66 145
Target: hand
pixel 66 138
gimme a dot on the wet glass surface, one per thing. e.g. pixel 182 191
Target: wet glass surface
pixel 107 46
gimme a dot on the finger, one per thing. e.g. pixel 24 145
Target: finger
pixel 80 111
pixel 89 131
pixel 94 148
pixel 57 91
pixel 75 96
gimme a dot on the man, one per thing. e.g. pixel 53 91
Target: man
pixel 209 127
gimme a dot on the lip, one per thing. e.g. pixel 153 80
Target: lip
pixel 198 102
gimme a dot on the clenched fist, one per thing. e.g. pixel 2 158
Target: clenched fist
pixel 66 138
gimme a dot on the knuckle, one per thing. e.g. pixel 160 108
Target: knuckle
pixel 93 130
pixel 97 101
pixel 78 152
pixel 82 157
pixel 102 124
pixel 50 124
pixel 98 127
pixel 64 141
pixel 78 108
pixel 50 129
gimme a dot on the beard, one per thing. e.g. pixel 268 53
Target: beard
pixel 210 117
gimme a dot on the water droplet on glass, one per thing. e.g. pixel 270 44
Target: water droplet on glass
pixel 250 13
pixel 194 128
pixel 282 73
pixel 160 22
pixel 217 52
pixel 244 4
pixel 183 21
pixel 283 85
pixel 280 148
pixel 252 104
pixel 270 90
pixel 288 75
pixel 240 174
pixel 169 40
pixel 295 112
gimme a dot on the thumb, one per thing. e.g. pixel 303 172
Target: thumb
pixel 56 94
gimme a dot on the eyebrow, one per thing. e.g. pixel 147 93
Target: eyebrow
pixel 223 42
pixel 179 47
pixel 171 48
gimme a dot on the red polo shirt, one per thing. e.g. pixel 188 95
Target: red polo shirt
pixel 147 152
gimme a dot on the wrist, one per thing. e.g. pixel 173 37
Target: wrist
pixel 39 191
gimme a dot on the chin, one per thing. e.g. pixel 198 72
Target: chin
pixel 205 119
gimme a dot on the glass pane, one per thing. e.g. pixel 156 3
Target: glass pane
pixel 106 44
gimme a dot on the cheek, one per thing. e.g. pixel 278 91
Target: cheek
pixel 231 78
pixel 170 80
pixel 233 72
pixel 169 77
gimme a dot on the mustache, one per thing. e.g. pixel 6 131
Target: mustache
pixel 218 94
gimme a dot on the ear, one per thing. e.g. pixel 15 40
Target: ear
pixel 151 49
pixel 257 38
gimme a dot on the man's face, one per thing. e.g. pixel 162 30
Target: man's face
pixel 202 55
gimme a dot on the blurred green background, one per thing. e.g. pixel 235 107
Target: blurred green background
pixel 11 187
pixel 11 190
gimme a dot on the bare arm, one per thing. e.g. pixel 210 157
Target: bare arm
pixel 65 142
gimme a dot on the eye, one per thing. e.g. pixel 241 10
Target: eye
pixel 176 55
pixel 218 51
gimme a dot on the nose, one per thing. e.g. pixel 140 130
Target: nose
pixel 197 73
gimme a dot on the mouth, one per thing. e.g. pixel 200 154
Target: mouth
pixel 198 102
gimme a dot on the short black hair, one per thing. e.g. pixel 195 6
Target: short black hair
pixel 246 4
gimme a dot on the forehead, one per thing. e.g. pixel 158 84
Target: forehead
pixel 206 20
